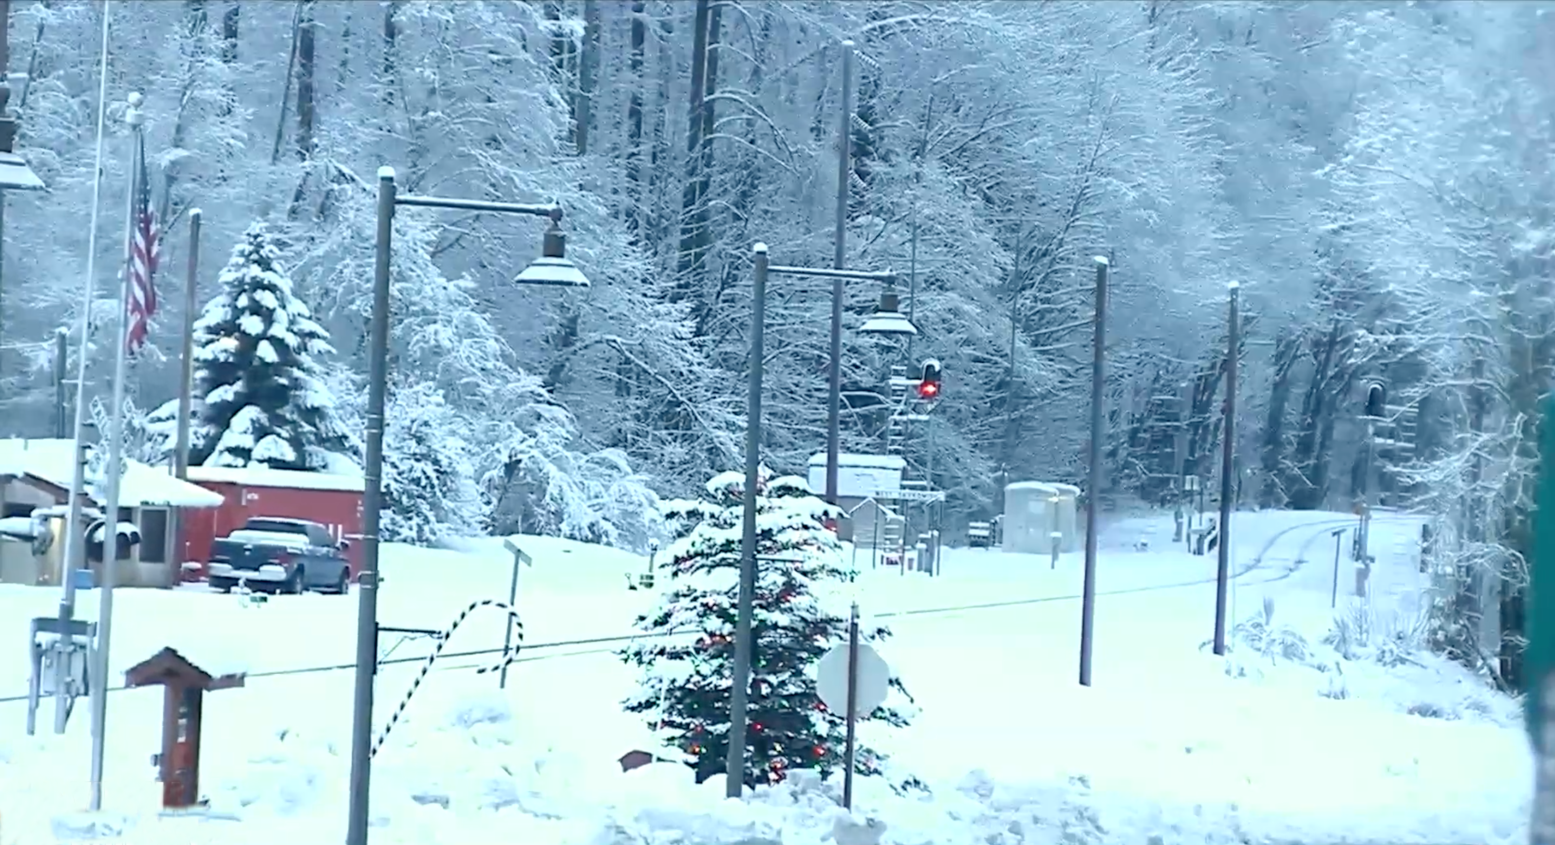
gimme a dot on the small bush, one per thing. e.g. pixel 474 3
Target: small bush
pixel 1389 638
pixel 1259 633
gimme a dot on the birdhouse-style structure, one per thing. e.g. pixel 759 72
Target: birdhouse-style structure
pixel 185 685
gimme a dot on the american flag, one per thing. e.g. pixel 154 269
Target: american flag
pixel 146 243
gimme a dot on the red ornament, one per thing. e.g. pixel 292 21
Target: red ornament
pixel 820 751
pixel 756 726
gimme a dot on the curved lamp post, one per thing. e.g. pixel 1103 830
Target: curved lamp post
pixel 551 269
pixel 887 320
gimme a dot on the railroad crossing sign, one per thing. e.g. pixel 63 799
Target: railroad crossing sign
pixel 874 680
pixel 909 495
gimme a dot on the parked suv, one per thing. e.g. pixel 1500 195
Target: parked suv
pixel 280 555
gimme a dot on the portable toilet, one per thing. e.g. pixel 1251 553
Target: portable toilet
pixel 1034 511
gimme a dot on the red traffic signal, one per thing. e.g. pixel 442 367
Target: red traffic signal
pixel 929 383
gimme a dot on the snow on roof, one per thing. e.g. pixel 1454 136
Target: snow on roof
pixel 1044 486
pixel 266 477
pixel 856 460
pixel 53 461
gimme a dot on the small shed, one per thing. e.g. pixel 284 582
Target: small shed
pixel 35 478
pixel 859 477
pixel 875 525
pixel 330 499
pixel 1033 510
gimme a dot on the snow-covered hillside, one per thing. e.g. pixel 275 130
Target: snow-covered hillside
pixel 1171 744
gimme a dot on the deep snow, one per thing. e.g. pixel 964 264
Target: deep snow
pixel 1171 744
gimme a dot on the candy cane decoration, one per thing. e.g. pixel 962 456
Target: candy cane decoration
pixel 437 651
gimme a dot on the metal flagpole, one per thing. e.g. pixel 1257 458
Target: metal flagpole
pixel 73 537
pixel 114 471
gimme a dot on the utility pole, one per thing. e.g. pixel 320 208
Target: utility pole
pixel 1093 484
pixel 1227 471
pixel 180 456
pixel 839 261
pixel 744 648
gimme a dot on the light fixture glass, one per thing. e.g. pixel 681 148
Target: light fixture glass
pixel 553 268
pixel 552 272
pixel 888 318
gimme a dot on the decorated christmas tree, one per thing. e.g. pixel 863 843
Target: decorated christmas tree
pixel 257 387
pixel 801 607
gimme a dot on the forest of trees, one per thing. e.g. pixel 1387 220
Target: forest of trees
pixel 1372 174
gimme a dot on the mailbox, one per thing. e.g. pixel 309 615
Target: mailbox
pixel 128 537
pixel 184 685
pixel 1376 399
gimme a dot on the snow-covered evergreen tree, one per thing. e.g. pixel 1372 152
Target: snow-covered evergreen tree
pixel 801 612
pixel 257 384
pixel 429 476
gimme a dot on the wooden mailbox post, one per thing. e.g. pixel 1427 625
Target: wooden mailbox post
pixel 184 685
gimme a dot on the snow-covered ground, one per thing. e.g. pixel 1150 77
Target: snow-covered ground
pixel 1170 744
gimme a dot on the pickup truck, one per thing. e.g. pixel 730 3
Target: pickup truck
pixel 280 555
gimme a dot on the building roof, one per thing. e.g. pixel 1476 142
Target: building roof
pixel 847 459
pixel 1049 487
pixel 53 462
pixel 283 478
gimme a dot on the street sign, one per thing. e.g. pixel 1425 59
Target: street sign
pixel 909 495
pixel 874 680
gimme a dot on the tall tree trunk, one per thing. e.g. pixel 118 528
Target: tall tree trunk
pixel 307 68
pixel 391 35
pixel 196 20
pixel 588 70
pixel 1287 350
pixel 562 60
pixel 307 123
pixel 343 67
pixel 703 232
pixel 229 51
pixel 636 197
pixel 688 260
pixel 286 88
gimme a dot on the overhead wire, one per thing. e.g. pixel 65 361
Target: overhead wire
pixel 612 640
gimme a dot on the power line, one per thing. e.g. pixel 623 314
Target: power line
pixel 1321 527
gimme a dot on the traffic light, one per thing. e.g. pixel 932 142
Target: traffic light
pixel 929 383
pixel 1376 399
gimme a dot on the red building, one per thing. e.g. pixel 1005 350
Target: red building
pixel 334 501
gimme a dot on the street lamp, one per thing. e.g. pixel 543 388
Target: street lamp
pixel 552 269
pixel 743 639
pixel 888 318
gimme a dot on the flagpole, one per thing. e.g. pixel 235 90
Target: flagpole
pixel 180 457
pixel 73 529
pixel 115 467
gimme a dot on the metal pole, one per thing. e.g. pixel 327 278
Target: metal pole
pixel 73 545
pixel 185 393
pixel 744 648
pixel 1098 381
pixel 1227 471
pixel 372 499
pixel 839 260
pixel 186 357
pixel 1333 596
pixel 3 21
pixel 850 742
pixel 507 636
pixel 115 474
pixel 61 369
